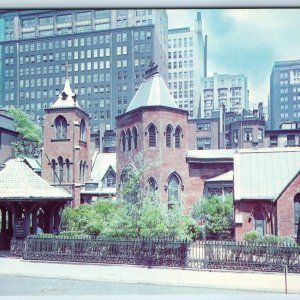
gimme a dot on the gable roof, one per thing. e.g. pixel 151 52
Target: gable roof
pixel 152 92
pixel 101 164
pixel 19 182
pixel 264 174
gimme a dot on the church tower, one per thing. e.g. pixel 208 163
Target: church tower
pixel 66 158
pixel 155 130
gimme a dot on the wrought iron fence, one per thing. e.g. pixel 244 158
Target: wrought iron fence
pixel 149 252
pixel 243 256
pixel 17 247
pixel 161 252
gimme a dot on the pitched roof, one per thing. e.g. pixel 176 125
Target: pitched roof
pixel 19 181
pixel 264 173
pixel 101 162
pixel 67 98
pixel 152 92
pixel 228 176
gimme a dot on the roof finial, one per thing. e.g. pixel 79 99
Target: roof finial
pixel 67 69
pixel 152 69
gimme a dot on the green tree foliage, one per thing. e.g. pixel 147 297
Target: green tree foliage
pixel 114 219
pixel 214 214
pixel 30 134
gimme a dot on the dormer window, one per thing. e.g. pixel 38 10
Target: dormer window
pixel 60 125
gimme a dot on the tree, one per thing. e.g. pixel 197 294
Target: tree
pixel 30 134
pixel 214 214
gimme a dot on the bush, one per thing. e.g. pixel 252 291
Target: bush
pixel 255 237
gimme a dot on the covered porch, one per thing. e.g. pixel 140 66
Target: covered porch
pixel 28 204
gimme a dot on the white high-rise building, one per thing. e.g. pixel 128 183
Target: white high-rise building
pixel 230 90
pixel 187 65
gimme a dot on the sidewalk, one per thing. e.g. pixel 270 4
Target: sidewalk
pixel 255 281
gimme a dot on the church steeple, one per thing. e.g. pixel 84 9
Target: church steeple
pixel 67 98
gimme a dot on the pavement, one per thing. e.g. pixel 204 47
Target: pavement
pixel 234 280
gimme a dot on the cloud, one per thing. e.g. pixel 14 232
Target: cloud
pixel 247 41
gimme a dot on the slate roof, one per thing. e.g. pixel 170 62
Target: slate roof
pixel 264 173
pixel 19 182
pixel 152 92
pixel 70 97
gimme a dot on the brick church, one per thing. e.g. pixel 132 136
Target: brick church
pixel 264 182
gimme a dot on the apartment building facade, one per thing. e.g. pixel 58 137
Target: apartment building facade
pixel 187 65
pixel 105 53
pixel 229 90
pixel 284 102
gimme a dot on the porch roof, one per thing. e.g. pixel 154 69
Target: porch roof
pixel 19 182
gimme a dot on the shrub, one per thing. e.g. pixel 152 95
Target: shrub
pixel 255 237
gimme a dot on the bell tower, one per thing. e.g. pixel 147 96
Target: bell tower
pixel 66 158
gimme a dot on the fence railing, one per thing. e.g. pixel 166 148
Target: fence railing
pixel 150 252
pixel 161 252
pixel 243 256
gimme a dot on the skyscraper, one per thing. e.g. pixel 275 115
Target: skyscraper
pixel 284 102
pixel 230 90
pixel 107 52
pixel 187 65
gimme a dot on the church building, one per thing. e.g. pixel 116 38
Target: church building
pixel 66 159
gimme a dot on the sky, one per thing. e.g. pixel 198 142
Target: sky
pixel 246 41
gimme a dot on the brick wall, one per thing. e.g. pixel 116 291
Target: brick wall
pixel 285 208
pixel 246 208
pixel 70 148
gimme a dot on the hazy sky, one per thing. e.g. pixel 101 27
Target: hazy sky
pixel 246 41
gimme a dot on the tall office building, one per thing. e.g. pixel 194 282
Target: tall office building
pixel 230 90
pixel 107 52
pixel 284 102
pixel 187 65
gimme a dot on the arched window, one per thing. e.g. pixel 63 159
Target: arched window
pixel 60 125
pixel 169 136
pixel 80 170
pixel 173 190
pixel 61 169
pixel 135 136
pixel 297 216
pixel 152 135
pixel 82 130
pixel 67 170
pixel 53 167
pixel 123 141
pixel 152 186
pixel 177 137
pixel 259 221
pixel 83 171
pixel 128 138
